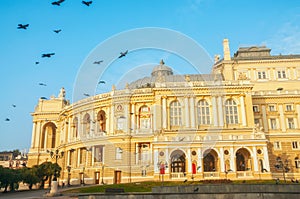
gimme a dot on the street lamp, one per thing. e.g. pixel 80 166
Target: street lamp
pixel 55 155
pixel 282 165
pixel 69 174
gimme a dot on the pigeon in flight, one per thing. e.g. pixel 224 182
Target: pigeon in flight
pixel 85 94
pixel 57 31
pixel 23 26
pixel 42 84
pixel 43 98
pixel 13 105
pixel 101 82
pixel 57 3
pixel 87 2
pixel 48 54
pixel 98 62
pixel 7 119
pixel 37 62
pixel 123 54
pixel 196 189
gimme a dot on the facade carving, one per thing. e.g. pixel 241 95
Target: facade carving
pixel 234 123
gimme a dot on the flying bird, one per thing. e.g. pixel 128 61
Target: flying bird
pixel 37 62
pixel 123 54
pixel 23 26
pixel 13 105
pixel 98 62
pixel 42 84
pixel 7 119
pixel 196 189
pixel 185 180
pixel 57 3
pixel 85 94
pixel 57 31
pixel 87 2
pixel 48 54
pixel 43 98
pixel 101 82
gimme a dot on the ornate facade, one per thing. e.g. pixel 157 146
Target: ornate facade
pixel 239 122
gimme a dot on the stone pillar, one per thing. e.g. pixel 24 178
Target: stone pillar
pixel 232 158
pixel 220 110
pixel 132 115
pixel 37 135
pixel 186 108
pixel 242 103
pixel 92 155
pixel 264 117
pixel 164 112
pixel 266 158
pixel 255 163
pixel 222 162
pixel 154 117
pixel 155 161
pixel 33 134
pixel 69 130
pixel 200 160
pixel 215 111
pixel 192 112
pixel 282 120
pixel 112 120
pixel 189 161
pixel 167 159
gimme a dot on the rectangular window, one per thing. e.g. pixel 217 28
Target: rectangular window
pixel 272 108
pixel 297 163
pixel 291 124
pixel 82 153
pixel 277 145
pixel 261 75
pixel 295 145
pixel 119 152
pixel 288 107
pixel 281 74
pixel 273 124
pixel 255 109
pixel 256 122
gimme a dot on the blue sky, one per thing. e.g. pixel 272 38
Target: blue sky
pixel 208 22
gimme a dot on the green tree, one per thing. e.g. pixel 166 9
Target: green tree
pixel 10 178
pixel 29 176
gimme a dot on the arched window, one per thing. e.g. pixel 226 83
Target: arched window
pixel 144 117
pixel 86 124
pixel 243 160
pixel 175 114
pixel 210 161
pixel 75 127
pixel 231 112
pixel 101 118
pixel 203 113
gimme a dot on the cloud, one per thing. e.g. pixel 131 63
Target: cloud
pixel 286 40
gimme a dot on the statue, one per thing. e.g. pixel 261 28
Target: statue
pixel 62 93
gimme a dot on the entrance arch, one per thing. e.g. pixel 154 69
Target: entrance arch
pixel 210 161
pixel 243 160
pixel 48 139
pixel 178 162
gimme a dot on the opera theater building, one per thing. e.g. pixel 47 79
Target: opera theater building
pixel 240 122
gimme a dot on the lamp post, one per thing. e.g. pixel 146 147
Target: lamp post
pixel 69 174
pixel 55 155
pixel 282 165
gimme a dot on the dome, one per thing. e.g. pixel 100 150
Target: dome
pixel 161 70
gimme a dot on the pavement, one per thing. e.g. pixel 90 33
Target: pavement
pixel 35 194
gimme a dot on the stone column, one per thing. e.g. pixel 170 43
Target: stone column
pixel 164 112
pixel 282 120
pixel 200 160
pixel 255 163
pixel 242 103
pixel 220 110
pixel 155 161
pixel 37 135
pixel 232 158
pixel 189 161
pixel 186 108
pixel 132 115
pixel 266 158
pixel 112 120
pixel 33 134
pixel 192 112
pixel 154 115
pixel 69 130
pixel 222 162
pixel 167 159
pixel 215 111
pixel 264 117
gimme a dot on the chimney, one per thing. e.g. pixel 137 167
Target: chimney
pixel 226 50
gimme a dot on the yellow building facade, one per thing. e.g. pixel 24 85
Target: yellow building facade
pixel 240 122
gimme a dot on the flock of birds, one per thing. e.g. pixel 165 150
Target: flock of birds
pixel 49 55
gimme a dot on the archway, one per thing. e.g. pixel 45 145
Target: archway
pixel 48 135
pixel 243 160
pixel 101 118
pixel 210 161
pixel 178 162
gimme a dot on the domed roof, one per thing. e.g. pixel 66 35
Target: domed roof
pixel 161 70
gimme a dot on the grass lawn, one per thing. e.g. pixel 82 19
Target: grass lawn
pixel 147 186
